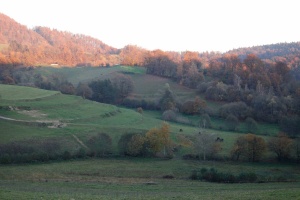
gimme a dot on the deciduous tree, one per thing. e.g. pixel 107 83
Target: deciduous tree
pixel 250 146
pixel 159 139
pixel 281 146
pixel 205 145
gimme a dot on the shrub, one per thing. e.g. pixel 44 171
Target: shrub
pixel 251 125
pixel 169 115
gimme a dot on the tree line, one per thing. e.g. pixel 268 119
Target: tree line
pixel 157 142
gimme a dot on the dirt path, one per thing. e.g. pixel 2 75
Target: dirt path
pixel 79 141
pixel 10 119
pixel 49 123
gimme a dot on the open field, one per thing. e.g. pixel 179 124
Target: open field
pixel 137 179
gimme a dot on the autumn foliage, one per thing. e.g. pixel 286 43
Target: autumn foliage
pixel 249 147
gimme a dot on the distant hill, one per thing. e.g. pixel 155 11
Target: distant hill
pixel 286 52
pixel 44 46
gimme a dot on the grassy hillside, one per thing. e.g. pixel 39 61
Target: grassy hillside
pixel 146 86
pixel 116 178
pixel 10 92
pixel 79 116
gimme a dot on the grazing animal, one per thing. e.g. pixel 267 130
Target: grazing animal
pixel 219 139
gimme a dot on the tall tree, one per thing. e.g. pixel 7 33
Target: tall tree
pixel 159 139
pixel 123 85
pixel 167 101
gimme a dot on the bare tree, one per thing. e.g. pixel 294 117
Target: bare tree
pixel 205 144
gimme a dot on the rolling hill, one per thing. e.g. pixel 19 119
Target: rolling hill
pixel 45 46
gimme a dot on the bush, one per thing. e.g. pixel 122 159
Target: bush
pixel 251 125
pixel 169 115
pixel 212 175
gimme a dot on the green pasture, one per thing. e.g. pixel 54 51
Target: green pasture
pixel 87 74
pixel 140 179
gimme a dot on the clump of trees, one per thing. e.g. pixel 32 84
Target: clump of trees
pixel 100 145
pixel 156 142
